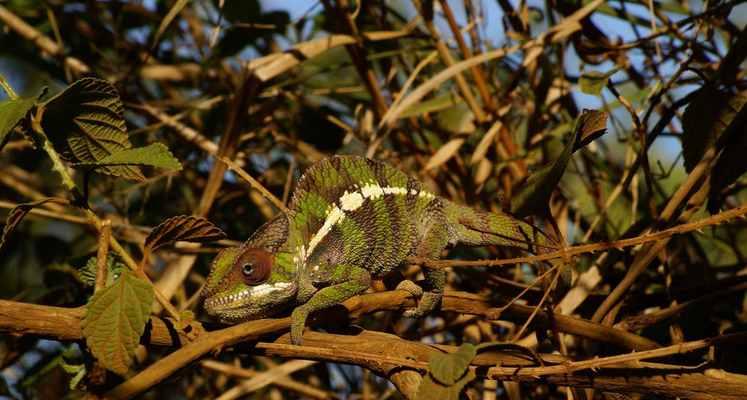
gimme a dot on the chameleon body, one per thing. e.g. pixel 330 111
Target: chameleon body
pixel 350 219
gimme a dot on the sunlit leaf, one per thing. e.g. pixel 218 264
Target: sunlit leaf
pixel 85 123
pixel 435 104
pixel 183 228
pixel 444 153
pixel 115 319
pixel 12 112
pixel 154 155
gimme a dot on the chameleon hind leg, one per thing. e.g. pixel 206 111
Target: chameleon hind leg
pixel 344 282
pixel 434 242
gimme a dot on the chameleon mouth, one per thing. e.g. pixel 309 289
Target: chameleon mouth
pixel 249 298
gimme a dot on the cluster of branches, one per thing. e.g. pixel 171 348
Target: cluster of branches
pixel 213 109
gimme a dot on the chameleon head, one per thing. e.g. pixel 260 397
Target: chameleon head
pixel 245 283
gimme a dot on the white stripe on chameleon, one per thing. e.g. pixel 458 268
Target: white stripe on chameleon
pixel 351 202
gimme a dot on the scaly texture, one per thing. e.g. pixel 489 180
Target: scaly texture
pixel 350 219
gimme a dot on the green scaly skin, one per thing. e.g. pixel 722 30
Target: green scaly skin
pixel 350 219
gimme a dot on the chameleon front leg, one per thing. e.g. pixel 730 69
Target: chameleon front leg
pixel 356 280
pixel 434 242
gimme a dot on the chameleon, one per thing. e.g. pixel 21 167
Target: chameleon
pixel 350 219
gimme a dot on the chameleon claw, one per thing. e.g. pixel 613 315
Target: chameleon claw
pixel 411 287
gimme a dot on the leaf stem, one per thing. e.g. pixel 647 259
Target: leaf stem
pixel 7 88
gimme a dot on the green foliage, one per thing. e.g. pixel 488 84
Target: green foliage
pixel 85 123
pixel 154 155
pixel 12 112
pixel 87 273
pixel 115 319
pixel 592 82
pixel 448 373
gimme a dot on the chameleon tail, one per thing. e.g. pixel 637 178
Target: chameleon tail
pixel 479 228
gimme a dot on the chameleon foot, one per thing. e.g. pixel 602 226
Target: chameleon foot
pixel 410 287
pixel 427 300
pixel 298 322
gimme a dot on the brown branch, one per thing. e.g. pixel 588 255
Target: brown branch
pixel 44 43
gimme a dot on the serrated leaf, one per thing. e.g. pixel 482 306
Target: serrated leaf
pixel 154 155
pixel 12 112
pixel 115 319
pixel 709 113
pixel 430 389
pixel 87 274
pixel 593 124
pixel 444 153
pixel 533 197
pixel 17 213
pixel 447 368
pixel 592 82
pixel 85 124
pixel 182 228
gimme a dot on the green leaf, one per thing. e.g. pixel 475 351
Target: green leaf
pixel 12 112
pixel 592 82
pixel 533 196
pixel 709 113
pixel 115 319
pixel 447 368
pixel 430 389
pixel 87 274
pixel 154 155
pixel 85 124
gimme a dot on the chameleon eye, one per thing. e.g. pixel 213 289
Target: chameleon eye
pixel 255 266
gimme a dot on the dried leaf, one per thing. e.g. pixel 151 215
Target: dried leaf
pixel 115 319
pixel 17 214
pixel 154 155
pixel 593 124
pixel 166 21
pixel 12 112
pixel 482 148
pixel 444 153
pixel 182 228
pixel 85 123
